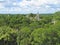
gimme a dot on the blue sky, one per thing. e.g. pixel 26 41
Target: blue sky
pixel 29 6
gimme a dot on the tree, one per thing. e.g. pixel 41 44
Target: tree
pixel 7 35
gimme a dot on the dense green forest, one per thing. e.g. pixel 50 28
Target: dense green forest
pixel 30 29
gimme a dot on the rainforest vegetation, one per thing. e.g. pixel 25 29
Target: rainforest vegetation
pixel 30 29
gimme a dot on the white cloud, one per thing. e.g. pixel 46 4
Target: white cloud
pixel 39 2
pixel 15 9
pixel 14 3
pixel 34 6
pixel 1 0
pixel 1 6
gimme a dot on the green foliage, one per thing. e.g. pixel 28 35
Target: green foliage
pixel 20 29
